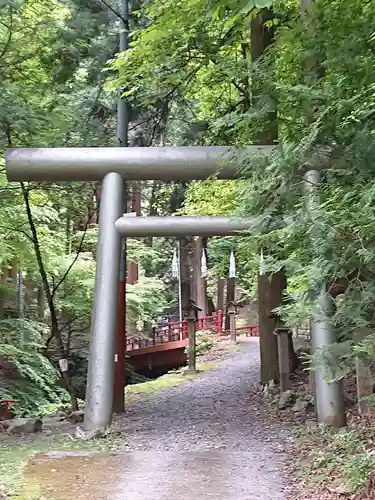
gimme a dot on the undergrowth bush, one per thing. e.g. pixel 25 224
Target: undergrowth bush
pixel 343 461
pixel 204 342
pixel 29 377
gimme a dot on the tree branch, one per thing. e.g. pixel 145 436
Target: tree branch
pixel 10 29
pixel 117 14
pixel 55 288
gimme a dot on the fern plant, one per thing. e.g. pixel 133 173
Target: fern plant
pixel 26 374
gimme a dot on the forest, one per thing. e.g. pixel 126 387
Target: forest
pixel 296 74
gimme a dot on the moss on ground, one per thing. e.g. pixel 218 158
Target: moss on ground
pixel 135 393
pixel 14 458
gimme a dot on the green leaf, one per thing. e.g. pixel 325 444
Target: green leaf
pixel 263 4
pixel 245 9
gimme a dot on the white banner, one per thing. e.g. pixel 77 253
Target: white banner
pixel 203 264
pixel 232 265
pixel 262 265
pixel 63 365
pixel 175 265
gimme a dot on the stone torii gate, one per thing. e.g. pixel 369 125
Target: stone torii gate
pixel 112 166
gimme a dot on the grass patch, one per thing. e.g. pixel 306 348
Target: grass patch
pixel 205 366
pixel 137 392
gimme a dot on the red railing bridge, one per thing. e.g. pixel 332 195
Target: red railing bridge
pixel 174 335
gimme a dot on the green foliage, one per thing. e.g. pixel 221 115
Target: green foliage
pixel 341 105
pixel 183 63
pixel 357 470
pixel 32 380
pixel 145 300
pixel 211 197
pixel 318 77
pixel 52 55
pixel 204 342
pixel 190 80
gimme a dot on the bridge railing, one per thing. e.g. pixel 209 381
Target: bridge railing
pixel 214 322
pixel 161 334
pixel 178 330
pixel 248 330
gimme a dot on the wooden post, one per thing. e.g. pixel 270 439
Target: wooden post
pixel 232 311
pixel 231 295
pixel 232 320
pixel 220 321
pixel 191 313
pixel 119 379
pixel 192 345
pixel 220 294
pixel 283 351
pixel 270 289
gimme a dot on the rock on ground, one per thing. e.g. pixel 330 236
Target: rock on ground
pixel 286 399
pixel 77 416
pixel 25 426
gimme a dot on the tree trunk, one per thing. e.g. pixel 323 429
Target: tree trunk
pixel 220 294
pixel 293 359
pixel 199 281
pixel 208 300
pixel 193 273
pixel 365 384
pixel 269 287
pixel 68 232
pixel 132 267
pixel 185 272
pixel 41 303
pixel 20 294
pixel 55 332
pixel 270 290
pixel 261 38
pixel 152 207
pixel 210 306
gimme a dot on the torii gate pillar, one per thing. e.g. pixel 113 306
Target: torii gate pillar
pixel 100 375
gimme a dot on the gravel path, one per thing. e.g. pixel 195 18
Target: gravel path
pixel 203 440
